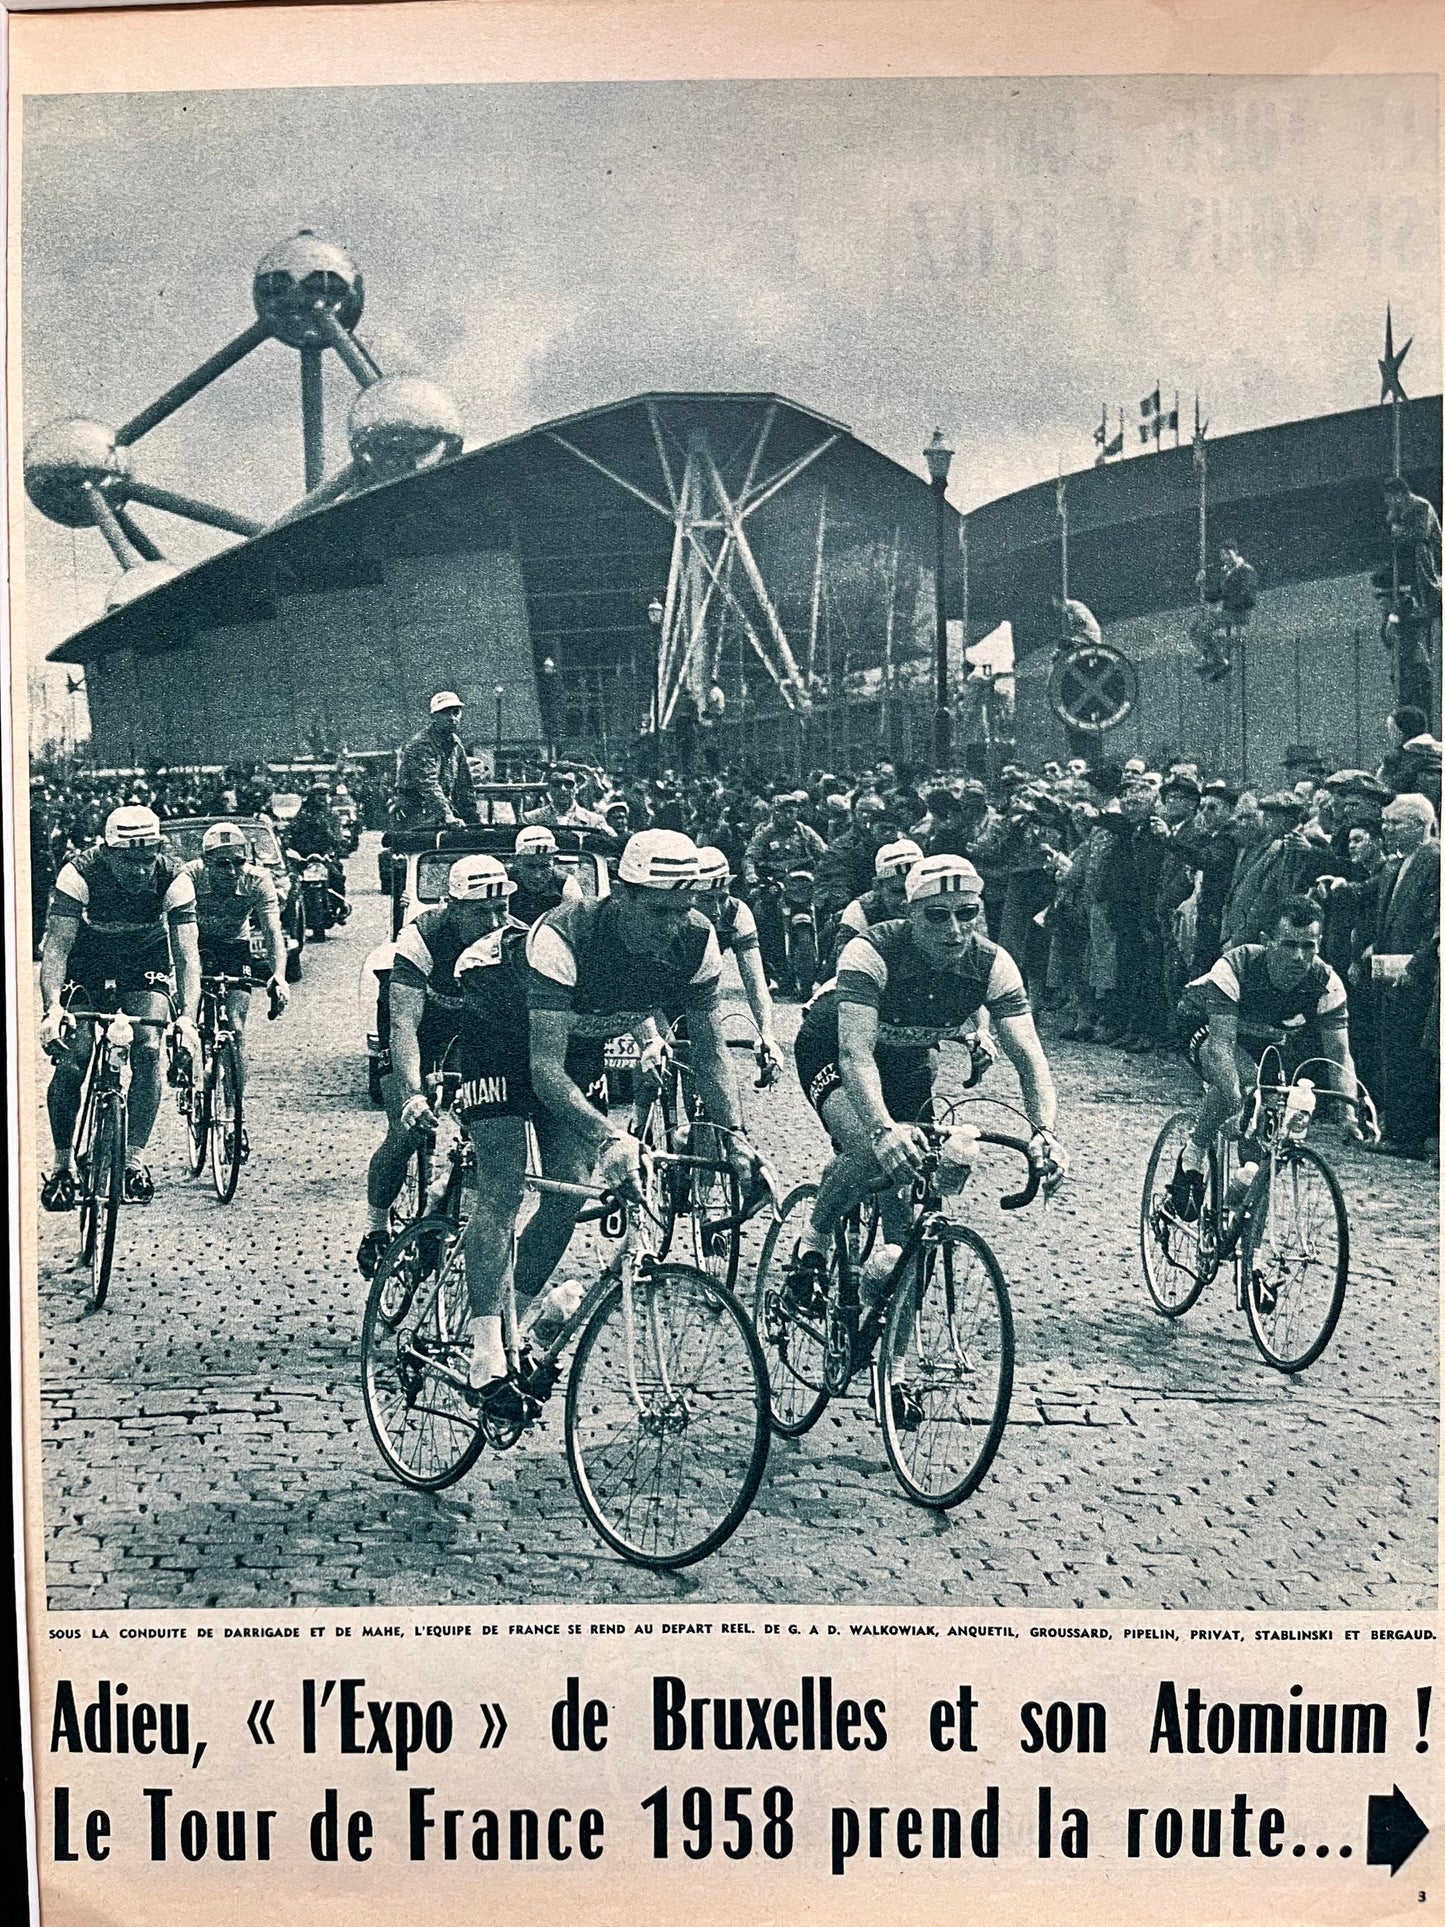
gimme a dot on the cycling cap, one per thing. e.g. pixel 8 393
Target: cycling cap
pixel 223 836
pixel 445 699
pixel 659 860
pixel 535 840
pixel 897 859
pixel 938 876
pixel 475 879
pixel 712 867
pixel 132 827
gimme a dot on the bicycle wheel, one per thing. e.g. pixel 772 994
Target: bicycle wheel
pixel 1296 1254
pixel 414 1358
pixel 946 1368
pixel 196 1106
pixel 667 1417
pixel 225 1120
pixel 1175 1269
pixel 794 1347
pixel 105 1183
pixel 86 1217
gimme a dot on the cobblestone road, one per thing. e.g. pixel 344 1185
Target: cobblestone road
pixel 205 1443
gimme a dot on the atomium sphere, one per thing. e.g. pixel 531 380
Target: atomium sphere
pixel 402 423
pixel 132 584
pixel 300 279
pixel 62 457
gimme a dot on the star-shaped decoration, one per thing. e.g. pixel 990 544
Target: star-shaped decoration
pixel 1390 383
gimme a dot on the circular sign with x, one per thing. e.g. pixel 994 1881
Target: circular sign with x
pixel 1093 687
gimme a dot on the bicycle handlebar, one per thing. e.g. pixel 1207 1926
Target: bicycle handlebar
pixel 1018 1199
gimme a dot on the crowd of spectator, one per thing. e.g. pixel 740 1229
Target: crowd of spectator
pixel 1110 885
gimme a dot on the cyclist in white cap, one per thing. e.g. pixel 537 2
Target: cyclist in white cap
pixel 599 968
pixel 121 916
pixel 238 925
pixel 887 900
pixel 541 883
pixel 420 1010
pixel 868 1046
pixel 737 931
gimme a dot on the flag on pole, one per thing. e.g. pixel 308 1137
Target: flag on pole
pixel 1200 429
pixel 1156 418
pixel 1107 444
pixel 1061 504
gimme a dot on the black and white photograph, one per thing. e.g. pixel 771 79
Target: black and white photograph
pixel 732 793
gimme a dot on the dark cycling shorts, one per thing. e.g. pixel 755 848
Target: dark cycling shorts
pixel 906 1076
pixel 232 957
pixel 102 973
pixel 497 1079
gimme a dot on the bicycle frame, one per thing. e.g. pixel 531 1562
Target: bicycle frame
pixel 929 1227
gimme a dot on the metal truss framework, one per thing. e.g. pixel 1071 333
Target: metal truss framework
pixel 710 547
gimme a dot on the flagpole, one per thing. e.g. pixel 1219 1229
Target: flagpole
pixel 1123 444
pixel 1176 418
pixel 1061 503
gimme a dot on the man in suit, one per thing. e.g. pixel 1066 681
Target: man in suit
pixel 1403 962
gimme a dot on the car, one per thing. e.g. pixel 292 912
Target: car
pixel 183 838
pixel 420 862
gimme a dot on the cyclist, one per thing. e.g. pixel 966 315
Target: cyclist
pixel 420 1013
pixel 541 885
pixel 1282 993
pixel 121 915
pixel 599 968
pixel 238 923
pixel 886 900
pixel 867 1048
pixel 737 931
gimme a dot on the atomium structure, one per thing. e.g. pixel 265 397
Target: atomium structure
pixel 308 295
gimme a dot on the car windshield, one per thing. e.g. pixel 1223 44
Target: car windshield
pixel 184 838
pixel 433 866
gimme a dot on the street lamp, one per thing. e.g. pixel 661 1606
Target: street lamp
pixel 655 613
pixel 549 707
pixel 497 692
pixel 938 456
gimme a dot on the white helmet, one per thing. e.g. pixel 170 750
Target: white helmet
pixel 132 827
pixel 713 867
pixel 223 836
pixel 938 876
pixel 897 859
pixel 535 840
pixel 659 860
pixel 475 879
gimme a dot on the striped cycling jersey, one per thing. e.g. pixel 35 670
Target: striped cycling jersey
pixel 580 965
pixel 736 926
pixel 1239 985
pixel 426 958
pixel 117 921
pixel 491 975
pixel 222 915
pixel 863 912
pixel 918 1004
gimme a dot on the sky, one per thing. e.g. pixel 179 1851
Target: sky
pixel 998 258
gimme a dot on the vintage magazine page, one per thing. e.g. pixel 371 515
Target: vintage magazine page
pixel 722 931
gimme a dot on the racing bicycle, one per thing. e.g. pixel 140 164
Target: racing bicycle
pixel 100 1137
pixel 208 1094
pixel 666 1404
pixel 936 1336
pixel 1282 1226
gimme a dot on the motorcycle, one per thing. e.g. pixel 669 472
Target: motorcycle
pixel 788 902
pixel 322 904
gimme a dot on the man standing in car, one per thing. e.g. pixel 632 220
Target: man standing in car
pixel 434 787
